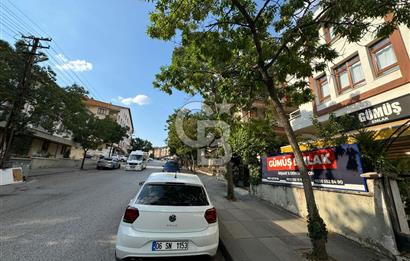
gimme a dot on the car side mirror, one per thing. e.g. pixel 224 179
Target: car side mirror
pixel 141 183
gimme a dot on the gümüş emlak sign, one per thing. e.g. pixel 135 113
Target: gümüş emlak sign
pixel 336 167
pixel 391 110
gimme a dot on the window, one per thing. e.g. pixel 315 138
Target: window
pixel 383 57
pixel 63 149
pixel 172 194
pixel 330 34
pixel 349 74
pixel 102 111
pixel 323 88
pixel 44 146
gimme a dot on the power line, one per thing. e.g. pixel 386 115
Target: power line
pixel 27 17
pixel 21 24
pixel 7 32
pixel 89 85
pixel 13 16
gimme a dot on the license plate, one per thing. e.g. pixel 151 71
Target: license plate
pixel 169 245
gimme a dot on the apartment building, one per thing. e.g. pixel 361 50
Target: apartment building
pixel 370 80
pixel 160 152
pixel 122 115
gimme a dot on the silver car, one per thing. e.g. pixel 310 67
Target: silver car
pixel 108 163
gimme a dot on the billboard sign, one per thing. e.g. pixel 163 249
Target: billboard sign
pixel 336 167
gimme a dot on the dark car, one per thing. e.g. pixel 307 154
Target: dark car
pixel 171 166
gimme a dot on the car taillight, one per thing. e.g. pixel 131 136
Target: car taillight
pixel 130 215
pixel 210 215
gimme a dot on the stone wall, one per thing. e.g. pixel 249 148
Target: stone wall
pixel 360 216
pixel 43 163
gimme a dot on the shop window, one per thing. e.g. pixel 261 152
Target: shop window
pixel 349 74
pixel 323 88
pixel 383 57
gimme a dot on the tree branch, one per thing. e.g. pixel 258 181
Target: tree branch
pixel 262 10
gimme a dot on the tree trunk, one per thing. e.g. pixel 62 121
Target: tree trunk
pixel 109 153
pixel 229 179
pixel 316 226
pixel 193 162
pixel 82 162
pixel 6 152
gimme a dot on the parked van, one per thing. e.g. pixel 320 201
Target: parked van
pixel 137 160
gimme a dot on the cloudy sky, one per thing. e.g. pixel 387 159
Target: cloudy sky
pixel 104 44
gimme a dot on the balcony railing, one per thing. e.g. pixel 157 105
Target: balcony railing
pixel 295 114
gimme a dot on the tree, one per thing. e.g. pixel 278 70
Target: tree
pixel 254 46
pixel 113 133
pixel 186 153
pixel 87 132
pixel 46 105
pixel 141 144
pixel 253 138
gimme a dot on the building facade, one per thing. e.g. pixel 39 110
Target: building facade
pixel 122 115
pixel 160 152
pixel 370 80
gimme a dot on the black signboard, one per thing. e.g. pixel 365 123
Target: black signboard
pixel 391 110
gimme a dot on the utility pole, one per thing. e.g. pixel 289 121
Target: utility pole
pixel 20 99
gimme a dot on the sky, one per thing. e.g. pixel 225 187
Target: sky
pixel 104 43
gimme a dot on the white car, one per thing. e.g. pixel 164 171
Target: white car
pixel 170 216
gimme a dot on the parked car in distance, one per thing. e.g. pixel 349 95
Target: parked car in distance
pixel 171 166
pixel 170 216
pixel 108 163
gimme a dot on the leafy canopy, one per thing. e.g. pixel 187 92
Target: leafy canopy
pixel 244 44
pixel 141 144
pixel 47 105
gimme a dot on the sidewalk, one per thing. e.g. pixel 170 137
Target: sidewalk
pixel 49 171
pixel 252 229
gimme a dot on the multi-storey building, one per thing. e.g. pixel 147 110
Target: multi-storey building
pixel 160 152
pixel 122 115
pixel 370 80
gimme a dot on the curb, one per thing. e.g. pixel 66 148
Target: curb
pixel 57 172
pixel 204 172
pixel 225 253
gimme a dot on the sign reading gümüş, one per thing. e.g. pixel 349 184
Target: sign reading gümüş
pixel 336 167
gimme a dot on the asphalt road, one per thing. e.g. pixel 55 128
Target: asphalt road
pixel 70 216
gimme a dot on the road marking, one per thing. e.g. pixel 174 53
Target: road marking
pixel 154 167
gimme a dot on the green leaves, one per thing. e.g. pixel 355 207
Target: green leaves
pixel 141 144
pixel 47 105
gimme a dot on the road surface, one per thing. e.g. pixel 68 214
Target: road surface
pixel 70 216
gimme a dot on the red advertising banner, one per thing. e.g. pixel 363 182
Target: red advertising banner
pixel 336 168
pixel 318 159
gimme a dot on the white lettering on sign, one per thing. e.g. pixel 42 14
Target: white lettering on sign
pixel 380 113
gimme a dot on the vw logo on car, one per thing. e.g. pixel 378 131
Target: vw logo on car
pixel 172 218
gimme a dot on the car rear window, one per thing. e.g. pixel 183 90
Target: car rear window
pixel 172 195
pixel 172 164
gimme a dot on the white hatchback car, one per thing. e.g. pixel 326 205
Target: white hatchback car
pixel 170 216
